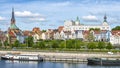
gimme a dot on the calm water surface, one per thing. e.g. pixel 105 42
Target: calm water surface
pixel 47 64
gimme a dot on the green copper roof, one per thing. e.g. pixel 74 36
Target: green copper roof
pixel 13 26
pixel 77 19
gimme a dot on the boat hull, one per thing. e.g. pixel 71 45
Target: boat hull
pixel 4 58
pixel 22 58
pixel 99 61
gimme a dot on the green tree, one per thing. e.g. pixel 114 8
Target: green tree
pixel 16 44
pixel 101 45
pixel 69 44
pixel 90 37
pixel 41 44
pixel 62 44
pixel 91 29
pixel 74 43
pixel 0 43
pixel 29 41
pixel 43 30
pixel 98 29
pixel 79 44
pixel 54 44
pixel 91 45
pixel 116 28
pixel 6 44
pixel 22 45
pixel 109 46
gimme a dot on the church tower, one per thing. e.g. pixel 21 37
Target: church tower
pixel 77 22
pixel 13 25
pixel 13 17
pixel 105 21
pixel 14 33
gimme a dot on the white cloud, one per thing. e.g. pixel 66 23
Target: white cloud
pixel 38 19
pixel 27 14
pixel 90 18
pixel 32 17
pixel 2 18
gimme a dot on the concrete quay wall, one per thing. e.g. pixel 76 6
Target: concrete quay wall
pixel 53 56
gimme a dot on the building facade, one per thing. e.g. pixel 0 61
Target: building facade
pixel 71 25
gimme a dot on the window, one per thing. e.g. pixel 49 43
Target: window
pixel 103 27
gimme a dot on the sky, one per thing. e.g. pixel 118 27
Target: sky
pixel 50 14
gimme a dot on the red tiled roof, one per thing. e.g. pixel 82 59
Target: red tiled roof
pixel 115 32
pixel 86 32
pixel 11 33
pixel 60 28
pixel 26 33
pixel 97 32
pixel 36 29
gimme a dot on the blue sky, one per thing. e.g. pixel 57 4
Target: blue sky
pixel 48 14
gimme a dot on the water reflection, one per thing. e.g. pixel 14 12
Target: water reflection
pixel 47 64
pixel 18 64
pixel 75 65
pixel 16 61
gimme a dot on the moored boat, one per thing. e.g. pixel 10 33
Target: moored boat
pixel 103 61
pixel 22 57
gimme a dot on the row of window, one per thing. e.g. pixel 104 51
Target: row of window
pixel 85 28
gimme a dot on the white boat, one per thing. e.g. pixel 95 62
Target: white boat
pixel 22 57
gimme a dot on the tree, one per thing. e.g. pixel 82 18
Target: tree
pixel 70 44
pixel 79 43
pixel 54 44
pixel 43 30
pixel 29 41
pixel 6 43
pixel 91 29
pixel 41 44
pixel 91 45
pixel 73 43
pixel 109 46
pixel 101 45
pixel 91 37
pixel 116 28
pixel 62 44
pixel 0 43
pixel 16 43
pixel 98 29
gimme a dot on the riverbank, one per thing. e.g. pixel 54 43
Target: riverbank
pixel 58 56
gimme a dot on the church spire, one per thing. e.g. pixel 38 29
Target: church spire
pixel 77 21
pixel 13 17
pixel 105 18
pixel 13 25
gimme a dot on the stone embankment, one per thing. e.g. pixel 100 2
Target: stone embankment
pixel 57 56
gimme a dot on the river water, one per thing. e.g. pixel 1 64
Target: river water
pixel 47 64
